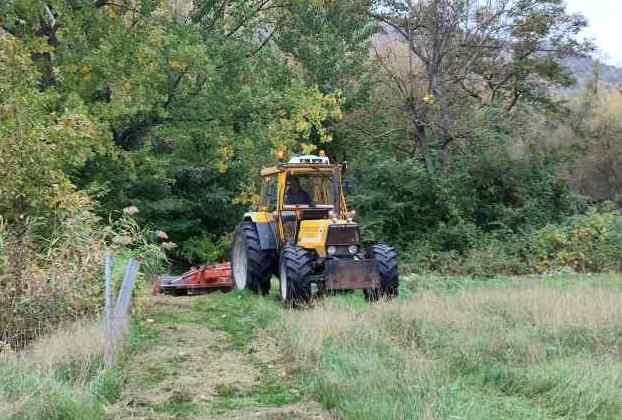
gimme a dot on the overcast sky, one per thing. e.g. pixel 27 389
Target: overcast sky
pixel 605 19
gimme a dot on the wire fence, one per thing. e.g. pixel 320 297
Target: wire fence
pixel 116 318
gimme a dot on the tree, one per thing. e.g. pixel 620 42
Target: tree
pixel 40 141
pixel 462 55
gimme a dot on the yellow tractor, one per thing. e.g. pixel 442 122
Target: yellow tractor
pixel 304 233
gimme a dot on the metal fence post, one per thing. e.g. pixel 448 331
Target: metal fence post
pixel 108 344
pixel 116 322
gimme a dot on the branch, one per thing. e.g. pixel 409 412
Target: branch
pixel 261 8
pixel 517 95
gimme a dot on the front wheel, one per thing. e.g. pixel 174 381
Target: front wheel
pixel 295 269
pixel 386 262
pixel 251 266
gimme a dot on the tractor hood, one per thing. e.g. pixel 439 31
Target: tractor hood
pixel 322 234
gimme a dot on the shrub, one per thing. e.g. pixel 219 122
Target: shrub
pixel 47 280
pixel 206 249
pixel 587 243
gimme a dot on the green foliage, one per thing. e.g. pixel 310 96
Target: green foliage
pixel 586 243
pixel 486 194
pixel 41 139
pixel 206 249
pixel 173 110
pixel 194 107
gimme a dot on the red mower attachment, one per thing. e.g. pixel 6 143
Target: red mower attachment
pixel 203 279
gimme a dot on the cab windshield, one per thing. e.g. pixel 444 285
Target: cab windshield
pixel 310 190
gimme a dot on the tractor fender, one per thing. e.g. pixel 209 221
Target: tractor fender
pixel 266 230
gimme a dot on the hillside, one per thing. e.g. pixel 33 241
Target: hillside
pixel 582 68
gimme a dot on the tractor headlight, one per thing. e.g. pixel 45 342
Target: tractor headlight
pixel 331 250
pixel 350 215
pixel 353 249
pixel 332 214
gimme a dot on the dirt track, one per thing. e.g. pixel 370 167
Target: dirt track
pixel 185 369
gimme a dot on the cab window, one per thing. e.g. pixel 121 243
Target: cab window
pixel 269 193
pixel 310 190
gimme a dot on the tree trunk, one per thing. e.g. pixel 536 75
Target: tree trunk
pixel 422 145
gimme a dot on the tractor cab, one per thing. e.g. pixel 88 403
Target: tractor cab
pixel 303 232
pixel 303 198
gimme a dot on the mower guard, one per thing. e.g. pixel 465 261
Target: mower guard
pixel 201 279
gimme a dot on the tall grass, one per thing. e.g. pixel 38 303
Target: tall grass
pixel 60 376
pixel 519 350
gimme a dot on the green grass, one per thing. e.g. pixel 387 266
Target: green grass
pixel 448 348
pixel 30 393
pixel 468 348
pixel 178 408
pixel 242 315
pixel 70 391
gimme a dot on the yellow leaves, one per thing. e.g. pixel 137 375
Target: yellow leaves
pixel 15 61
pixel 176 66
pixel 85 71
pixel 307 148
pixel 302 125
pixel 66 198
pixel 111 11
pixel 226 153
pixel 307 119
pixel 249 196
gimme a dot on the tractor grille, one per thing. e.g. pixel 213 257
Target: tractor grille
pixel 343 235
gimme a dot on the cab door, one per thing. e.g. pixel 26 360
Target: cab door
pixel 287 217
pixel 269 205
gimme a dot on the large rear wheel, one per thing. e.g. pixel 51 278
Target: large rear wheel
pixel 386 262
pixel 250 265
pixel 295 269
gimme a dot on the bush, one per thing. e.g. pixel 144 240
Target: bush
pixel 47 280
pixel 587 243
pixel 206 249
pixel 485 194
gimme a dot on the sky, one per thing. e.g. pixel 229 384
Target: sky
pixel 605 19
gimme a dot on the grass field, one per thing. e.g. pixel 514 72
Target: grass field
pixel 448 348
pixel 468 349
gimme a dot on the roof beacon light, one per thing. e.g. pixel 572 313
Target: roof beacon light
pixel 310 159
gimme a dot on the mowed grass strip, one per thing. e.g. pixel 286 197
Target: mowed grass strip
pixel 242 316
pixel 519 349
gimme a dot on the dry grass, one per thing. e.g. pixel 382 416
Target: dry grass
pixel 57 376
pixel 547 307
pixel 553 351
pixel 80 342
pixel 541 306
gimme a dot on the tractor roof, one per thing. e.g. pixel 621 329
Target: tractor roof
pixel 302 164
pixel 299 168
